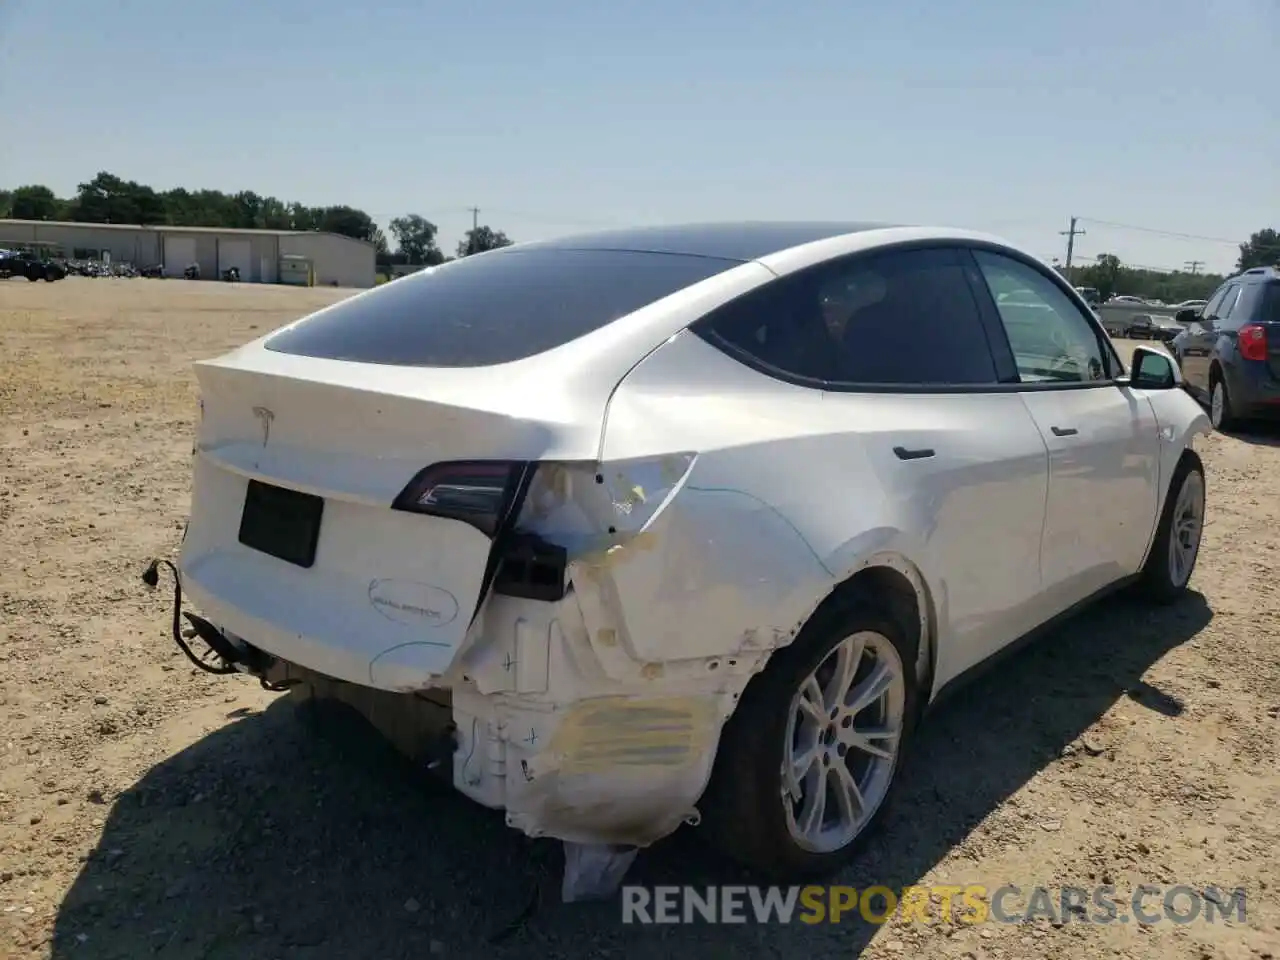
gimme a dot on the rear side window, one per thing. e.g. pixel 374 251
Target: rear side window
pixel 1247 305
pixel 1228 302
pixel 1270 312
pixel 1208 309
pixel 493 308
pixel 906 317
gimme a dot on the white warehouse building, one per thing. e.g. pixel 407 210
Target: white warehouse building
pixel 335 260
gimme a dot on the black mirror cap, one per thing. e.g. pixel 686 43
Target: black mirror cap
pixel 1187 316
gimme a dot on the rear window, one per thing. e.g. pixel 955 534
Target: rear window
pixel 493 308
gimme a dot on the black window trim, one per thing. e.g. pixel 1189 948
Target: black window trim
pixel 997 339
pixel 1214 300
pixel 1255 305
pixel 1233 287
pixel 1115 368
pixel 702 327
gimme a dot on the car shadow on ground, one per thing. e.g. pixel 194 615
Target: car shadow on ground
pixel 264 840
pixel 1258 434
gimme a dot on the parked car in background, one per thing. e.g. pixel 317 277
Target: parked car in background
pixel 1090 295
pixel 681 524
pixel 21 263
pixel 1189 305
pixel 1229 351
pixel 1116 326
pixel 1140 327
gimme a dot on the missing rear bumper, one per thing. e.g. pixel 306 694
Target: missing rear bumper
pixel 225 655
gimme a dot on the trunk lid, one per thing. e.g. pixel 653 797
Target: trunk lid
pixel 293 544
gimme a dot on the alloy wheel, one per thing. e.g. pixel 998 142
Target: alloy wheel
pixel 1187 526
pixel 842 740
pixel 1217 403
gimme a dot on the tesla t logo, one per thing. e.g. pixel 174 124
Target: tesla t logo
pixel 266 416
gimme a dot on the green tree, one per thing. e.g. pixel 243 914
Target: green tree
pixel 416 239
pixel 1262 250
pixel 33 202
pixel 108 198
pixel 480 239
pixel 349 222
pixel 1108 274
pixel 247 210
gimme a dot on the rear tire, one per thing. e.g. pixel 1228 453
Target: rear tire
pixel 1176 548
pixel 1221 414
pixel 843 758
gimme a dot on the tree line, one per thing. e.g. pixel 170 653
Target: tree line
pixel 108 198
pixel 1109 275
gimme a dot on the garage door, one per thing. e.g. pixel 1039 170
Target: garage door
pixel 235 253
pixel 179 253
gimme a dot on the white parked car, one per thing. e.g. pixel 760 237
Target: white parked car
pixel 681 523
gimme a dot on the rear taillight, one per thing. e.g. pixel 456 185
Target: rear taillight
pixel 479 492
pixel 1253 342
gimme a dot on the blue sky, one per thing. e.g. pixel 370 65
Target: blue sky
pixel 564 115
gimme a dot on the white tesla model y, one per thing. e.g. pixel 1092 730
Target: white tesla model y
pixel 682 523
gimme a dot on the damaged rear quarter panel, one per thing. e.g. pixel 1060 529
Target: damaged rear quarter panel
pixel 741 553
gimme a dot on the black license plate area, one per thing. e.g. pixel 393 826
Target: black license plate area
pixel 282 523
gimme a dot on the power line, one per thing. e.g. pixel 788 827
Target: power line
pixel 1162 233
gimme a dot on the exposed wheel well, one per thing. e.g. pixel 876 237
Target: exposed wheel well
pixel 1189 455
pixel 889 590
pixel 889 585
pixel 893 592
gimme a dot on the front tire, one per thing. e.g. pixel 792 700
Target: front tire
pixel 1177 544
pixel 809 758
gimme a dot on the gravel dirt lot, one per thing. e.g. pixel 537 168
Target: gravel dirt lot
pixel 148 810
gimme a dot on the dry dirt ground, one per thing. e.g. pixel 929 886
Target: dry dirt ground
pixel 147 810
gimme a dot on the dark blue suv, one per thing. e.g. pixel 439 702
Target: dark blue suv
pixel 1230 350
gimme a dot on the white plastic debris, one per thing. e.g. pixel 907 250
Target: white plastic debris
pixel 594 871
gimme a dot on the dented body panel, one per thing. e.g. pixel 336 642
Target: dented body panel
pixel 790 544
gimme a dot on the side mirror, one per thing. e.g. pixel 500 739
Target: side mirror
pixel 1187 316
pixel 1153 370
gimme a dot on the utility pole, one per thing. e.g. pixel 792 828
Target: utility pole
pixel 1193 266
pixel 475 217
pixel 1071 234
